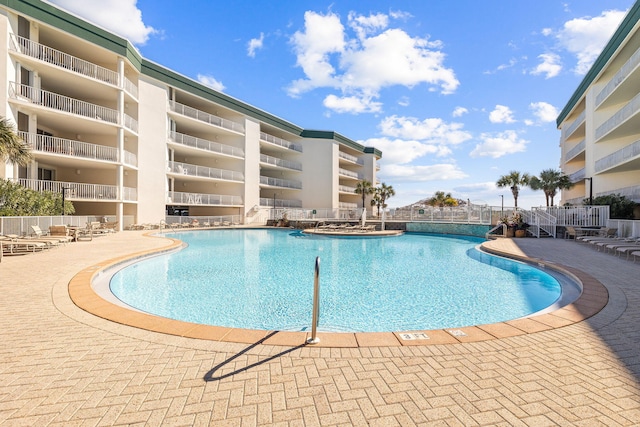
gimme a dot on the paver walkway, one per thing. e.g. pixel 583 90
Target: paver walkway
pixel 62 366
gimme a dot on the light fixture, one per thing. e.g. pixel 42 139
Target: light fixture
pixel 77 171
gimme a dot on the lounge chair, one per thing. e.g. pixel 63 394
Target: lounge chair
pixel 570 233
pixel 61 231
pixel 16 244
pixel 56 240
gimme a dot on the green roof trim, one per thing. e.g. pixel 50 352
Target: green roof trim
pixel 71 24
pixel 612 46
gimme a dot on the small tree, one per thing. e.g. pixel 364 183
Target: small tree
pixel 380 196
pixel 619 206
pixel 441 199
pixel 514 180
pixel 12 148
pixel 364 188
pixel 16 200
pixel 550 181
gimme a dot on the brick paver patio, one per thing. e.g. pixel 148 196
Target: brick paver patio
pixel 63 366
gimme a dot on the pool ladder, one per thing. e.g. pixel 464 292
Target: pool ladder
pixel 316 304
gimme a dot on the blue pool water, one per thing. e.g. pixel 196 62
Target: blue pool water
pixel 263 279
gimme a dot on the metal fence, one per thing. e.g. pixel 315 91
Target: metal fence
pixel 21 225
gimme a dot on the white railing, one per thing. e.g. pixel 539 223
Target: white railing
pixel 280 203
pixel 579 148
pixel 619 77
pixel 204 172
pixel 130 159
pixel 177 198
pixel 62 103
pixel 131 123
pixel 623 155
pixel 566 132
pixel 539 219
pixel 131 87
pixel 346 189
pixel 63 60
pixel 631 193
pixel 80 191
pixel 21 225
pixel 203 144
pixel 350 158
pixel 578 175
pixel 585 216
pixel 277 182
pixel 281 142
pixel 618 118
pixel 50 144
pixel 172 221
pixel 203 116
pixel 346 205
pixel 349 173
pixel 473 214
pixel 289 164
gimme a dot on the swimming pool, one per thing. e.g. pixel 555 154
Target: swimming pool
pixel 263 279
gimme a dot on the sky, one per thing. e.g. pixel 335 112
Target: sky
pixel 454 93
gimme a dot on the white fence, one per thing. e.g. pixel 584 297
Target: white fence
pixel 21 225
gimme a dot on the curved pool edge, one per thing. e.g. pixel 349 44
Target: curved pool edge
pixel 594 297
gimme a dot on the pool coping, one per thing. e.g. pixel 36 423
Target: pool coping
pixel 594 298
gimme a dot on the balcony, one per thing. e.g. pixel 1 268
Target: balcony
pixel 203 144
pixel 624 155
pixel 568 131
pixel 282 183
pixel 349 174
pixel 622 74
pixel 80 191
pixel 62 60
pixel 577 176
pixel 274 161
pixel 204 172
pixel 280 142
pixel 579 148
pixel 350 158
pixel 205 117
pixel 280 203
pixel 620 122
pixel 65 104
pixel 631 193
pixel 77 149
pixel 202 199
pixel 346 189
pixel 345 205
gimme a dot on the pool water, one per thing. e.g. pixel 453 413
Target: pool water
pixel 263 279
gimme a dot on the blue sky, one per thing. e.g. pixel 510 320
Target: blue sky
pixel 454 93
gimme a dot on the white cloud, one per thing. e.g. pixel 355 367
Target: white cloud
pixel 399 151
pixel 433 130
pixel 501 114
pixel 121 17
pixel 498 145
pixel 544 112
pixel 439 172
pixel 211 82
pixel 351 104
pixel 586 37
pixel 459 112
pixel 255 44
pixel 550 65
pixel 361 65
pixel 478 187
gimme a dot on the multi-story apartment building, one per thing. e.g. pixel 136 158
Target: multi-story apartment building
pixel 600 125
pixel 123 136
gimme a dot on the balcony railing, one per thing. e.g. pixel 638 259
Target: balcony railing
pixel 277 182
pixel 345 205
pixel 280 203
pixel 177 198
pixel 62 103
pixel 130 123
pixel 289 164
pixel 202 116
pixel 619 77
pixel 350 158
pixel 63 60
pixel 131 87
pixel 130 159
pixel 204 172
pixel 623 155
pixel 566 132
pixel 575 150
pixel 81 191
pixel 50 144
pixel 350 174
pixel 578 175
pixel 281 142
pixel 618 118
pixel 631 193
pixel 346 189
pixel 203 144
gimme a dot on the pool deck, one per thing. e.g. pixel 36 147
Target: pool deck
pixel 64 366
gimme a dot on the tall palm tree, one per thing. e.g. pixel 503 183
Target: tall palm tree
pixel 385 191
pixel 364 187
pixel 12 147
pixel 514 180
pixel 550 181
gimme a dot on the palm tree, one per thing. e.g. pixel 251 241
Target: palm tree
pixel 514 180
pixel 384 192
pixel 12 148
pixel 441 199
pixel 550 181
pixel 364 187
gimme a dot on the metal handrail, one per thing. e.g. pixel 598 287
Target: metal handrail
pixel 315 315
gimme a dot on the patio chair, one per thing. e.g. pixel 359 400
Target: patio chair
pixel 16 244
pixel 55 240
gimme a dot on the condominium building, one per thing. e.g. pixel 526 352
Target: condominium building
pixel 124 137
pixel 600 125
